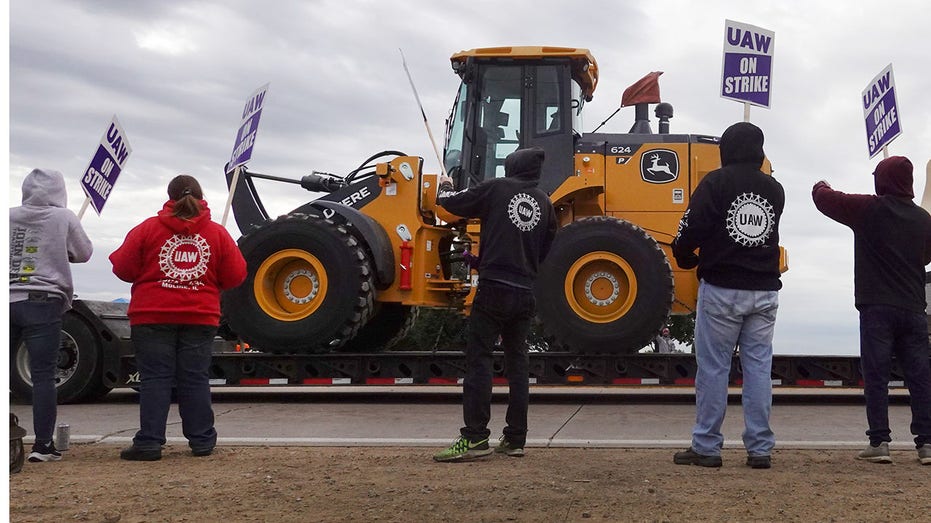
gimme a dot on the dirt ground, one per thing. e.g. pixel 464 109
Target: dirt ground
pixel 283 484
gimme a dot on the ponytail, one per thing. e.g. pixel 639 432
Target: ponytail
pixel 187 194
pixel 187 207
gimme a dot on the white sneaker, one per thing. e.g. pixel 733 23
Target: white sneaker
pixel 878 454
pixel 924 454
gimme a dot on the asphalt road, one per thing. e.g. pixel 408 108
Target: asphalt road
pixel 418 416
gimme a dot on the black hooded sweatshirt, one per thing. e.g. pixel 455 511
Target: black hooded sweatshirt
pixel 891 236
pixel 518 221
pixel 733 218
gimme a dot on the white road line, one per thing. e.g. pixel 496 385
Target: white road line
pixel 434 442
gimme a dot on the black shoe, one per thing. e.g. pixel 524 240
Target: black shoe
pixel 690 457
pixel 44 452
pixel 759 462
pixel 136 454
pixel 202 452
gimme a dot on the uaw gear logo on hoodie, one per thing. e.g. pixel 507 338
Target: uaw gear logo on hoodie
pixel 750 220
pixel 183 260
pixel 524 211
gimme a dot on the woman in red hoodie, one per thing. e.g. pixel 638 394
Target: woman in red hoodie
pixel 178 262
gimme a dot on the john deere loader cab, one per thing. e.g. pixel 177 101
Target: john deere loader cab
pixel 517 97
pixel 608 284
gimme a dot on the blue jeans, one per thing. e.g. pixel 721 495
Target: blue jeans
pixel 38 323
pixel 498 309
pixel 725 319
pixel 886 331
pixel 174 355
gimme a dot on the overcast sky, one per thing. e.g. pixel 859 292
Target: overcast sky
pixel 177 74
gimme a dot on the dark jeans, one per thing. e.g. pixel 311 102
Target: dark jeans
pixel 498 309
pixel 174 355
pixel 886 331
pixel 38 323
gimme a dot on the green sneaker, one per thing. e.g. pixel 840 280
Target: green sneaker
pixel 509 449
pixel 464 450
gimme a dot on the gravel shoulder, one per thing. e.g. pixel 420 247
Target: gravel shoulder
pixel 404 484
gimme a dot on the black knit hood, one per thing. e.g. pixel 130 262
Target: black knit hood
pixel 742 143
pixel 894 177
pixel 524 164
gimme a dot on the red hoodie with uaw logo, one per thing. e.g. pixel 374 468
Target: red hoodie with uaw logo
pixel 178 268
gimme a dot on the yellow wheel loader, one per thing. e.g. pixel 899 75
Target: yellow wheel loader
pixel 347 271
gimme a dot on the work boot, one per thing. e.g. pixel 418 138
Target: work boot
pixel 134 453
pixel 759 462
pixel 690 457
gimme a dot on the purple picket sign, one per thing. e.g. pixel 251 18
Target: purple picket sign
pixel 880 111
pixel 105 167
pixel 747 65
pixel 248 127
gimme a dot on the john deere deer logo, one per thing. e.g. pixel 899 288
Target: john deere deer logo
pixel 659 166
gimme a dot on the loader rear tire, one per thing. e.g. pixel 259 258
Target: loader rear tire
pixel 309 287
pixel 605 287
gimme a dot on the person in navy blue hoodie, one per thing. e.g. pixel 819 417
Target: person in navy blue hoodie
pixel 733 221
pixel 892 245
pixel 518 227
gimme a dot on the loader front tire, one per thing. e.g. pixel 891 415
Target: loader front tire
pixel 309 287
pixel 605 287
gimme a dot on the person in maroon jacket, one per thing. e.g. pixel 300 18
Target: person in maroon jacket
pixel 178 262
pixel 892 245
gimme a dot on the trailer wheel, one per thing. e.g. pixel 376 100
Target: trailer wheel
pixel 606 287
pixel 391 322
pixel 309 286
pixel 78 372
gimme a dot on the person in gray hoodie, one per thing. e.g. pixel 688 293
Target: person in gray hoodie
pixel 45 237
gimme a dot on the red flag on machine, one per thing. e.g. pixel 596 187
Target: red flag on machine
pixel 644 91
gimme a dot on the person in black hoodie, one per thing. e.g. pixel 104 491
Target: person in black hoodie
pixel 733 218
pixel 892 245
pixel 518 226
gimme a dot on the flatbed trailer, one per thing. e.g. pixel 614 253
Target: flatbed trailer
pixel 97 356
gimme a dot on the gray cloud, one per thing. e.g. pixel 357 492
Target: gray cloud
pixel 177 74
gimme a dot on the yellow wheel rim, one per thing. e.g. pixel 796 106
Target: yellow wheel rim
pixel 290 285
pixel 600 287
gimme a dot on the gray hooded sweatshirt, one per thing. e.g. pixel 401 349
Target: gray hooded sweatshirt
pixel 44 237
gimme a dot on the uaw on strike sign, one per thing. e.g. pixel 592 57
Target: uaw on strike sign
pixel 106 165
pixel 880 112
pixel 248 126
pixel 747 73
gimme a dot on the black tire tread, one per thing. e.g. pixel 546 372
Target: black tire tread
pixel 555 329
pixel 237 300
